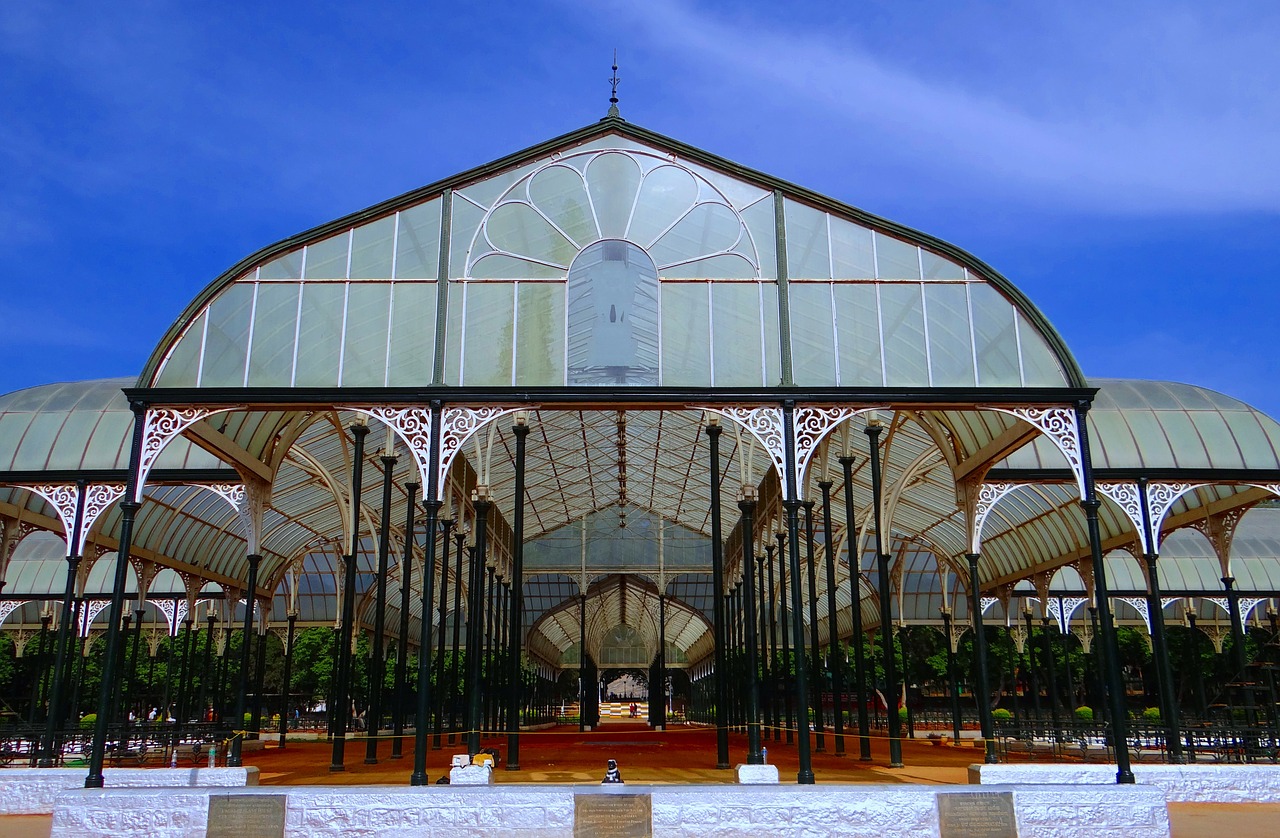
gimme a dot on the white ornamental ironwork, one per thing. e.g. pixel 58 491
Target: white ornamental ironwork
pixel 412 425
pixel 1063 608
pixel 7 608
pixel 989 494
pixel 1160 498
pixel 63 498
pixel 1059 425
pixel 1125 495
pixel 457 424
pixel 765 423
pixel 1273 488
pixel 1140 605
pixel 159 428
pixel 812 425
pixel 168 608
pixel 986 602
pixel 89 612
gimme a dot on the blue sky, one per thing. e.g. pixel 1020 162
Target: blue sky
pixel 1117 161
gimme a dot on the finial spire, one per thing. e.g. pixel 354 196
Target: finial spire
pixel 613 91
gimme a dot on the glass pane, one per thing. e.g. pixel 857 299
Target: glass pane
pixel 320 335
pixel 288 266
pixel 413 334
pixel 858 335
pixel 772 335
pixel 486 360
pixel 274 323
pixel 813 350
pixel 364 359
pixel 521 231
pixel 418 242
pixel 903 323
pixel 759 220
pixel 686 350
pixel 455 291
pixel 896 259
pixel 613 316
pixel 466 223
pixel 38 441
pixel 372 249
pixel 950 350
pixel 1039 365
pixel 558 191
pixel 613 180
pixel 808 252
pixel 852 255
pixel 327 259
pixel 183 362
pixel 227 338
pixel 735 331
pixel 500 266
pixel 995 337
pixel 935 267
pixel 717 267
pixel 540 334
pixel 666 194
pixel 708 229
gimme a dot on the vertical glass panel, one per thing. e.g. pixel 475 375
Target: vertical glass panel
pixel 518 229
pixel 613 180
pixel 327 258
pixel 1040 366
pixel 735 324
pixel 558 191
pixel 707 229
pixel 540 334
pixel 686 349
pixel 372 249
pixel 320 335
pixel 364 356
pixel 995 339
pixel 896 259
pixel 808 250
pixel 227 338
pixel 418 242
pixel 935 267
pixel 813 349
pixel 466 221
pixel 613 316
pixel 852 256
pixel 489 316
pixel 858 333
pixel 457 293
pixel 413 334
pixel 183 362
pixel 274 323
pixel 903 322
pixel 950 350
pixel 759 221
pixel 772 335
pixel 288 266
pixel 666 194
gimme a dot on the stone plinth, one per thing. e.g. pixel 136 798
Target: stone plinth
pixel 754 775
pixel 1196 783
pixel 31 791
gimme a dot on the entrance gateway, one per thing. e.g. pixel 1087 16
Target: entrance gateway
pixel 615 395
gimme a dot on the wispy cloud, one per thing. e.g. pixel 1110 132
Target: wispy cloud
pixel 1167 110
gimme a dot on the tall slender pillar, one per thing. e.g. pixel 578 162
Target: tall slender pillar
pixel 835 660
pixel 748 505
pixel 1159 642
pixel 855 599
pixel 1115 681
pixel 791 504
pixel 184 678
pixel 659 717
pixel 982 691
pixel 514 674
pixel 1238 656
pixel 788 702
pixel 455 695
pixel 54 719
pixel 582 662
pixel 713 431
pixel 774 663
pixel 286 680
pixel 246 640
pixel 259 673
pixel 446 541
pixel 431 505
pixel 1031 662
pixel 815 658
pixel 873 431
pixel 342 697
pixel 402 648
pixel 377 665
pixel 952 686
pixel 475 620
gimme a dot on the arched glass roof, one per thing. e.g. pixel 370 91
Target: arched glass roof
pixel 758 282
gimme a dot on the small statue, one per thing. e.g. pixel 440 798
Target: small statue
pixel 612 775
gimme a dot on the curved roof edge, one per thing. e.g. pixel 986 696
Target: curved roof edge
pixel 608 125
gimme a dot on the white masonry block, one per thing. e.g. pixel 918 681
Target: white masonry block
pixel 757 775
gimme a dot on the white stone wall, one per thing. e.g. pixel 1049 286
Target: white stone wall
pixel 31 791
pixel 1197 783
pixel 548 810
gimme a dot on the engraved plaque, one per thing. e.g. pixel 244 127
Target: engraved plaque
pixel 984 814
pixel 612 816
pixel 245 815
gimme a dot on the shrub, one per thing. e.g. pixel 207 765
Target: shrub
pixel 88 720
pixel 1001 715
pixel 1151 714
pixel 1084 713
